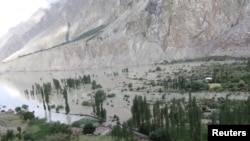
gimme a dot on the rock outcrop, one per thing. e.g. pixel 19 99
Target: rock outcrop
pixel 76 34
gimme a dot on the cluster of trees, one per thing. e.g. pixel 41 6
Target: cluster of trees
pixel 141 114
pixel 10 135
pixel 164 122
pixel 98 109
pixel 179 120
pixel 234 77
pixel 49 131
pixel 95 85
pixel 24 113
pixel 73 82
pixel 234 112
pixel 181 83
pixel 123 132
pixel 125 70
pixel 46 91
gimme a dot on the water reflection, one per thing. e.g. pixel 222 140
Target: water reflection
pixel 11 97
pixel 111 80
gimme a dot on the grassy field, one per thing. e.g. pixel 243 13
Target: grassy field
pixel 95 138
pixel 10 121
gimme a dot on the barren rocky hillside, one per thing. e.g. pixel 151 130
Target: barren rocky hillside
pixel 77 34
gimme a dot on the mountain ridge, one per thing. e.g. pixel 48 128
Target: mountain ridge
pixel 132 33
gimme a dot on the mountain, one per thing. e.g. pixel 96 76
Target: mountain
pixel 76 34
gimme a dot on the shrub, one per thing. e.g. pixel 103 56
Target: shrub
pixel 130 85
pixel 28 136
pixel 87 103
pixel 111 95
pixel 58 108
pixel 158 68
pixel 76 124
pixel 28 115
pixel 89 128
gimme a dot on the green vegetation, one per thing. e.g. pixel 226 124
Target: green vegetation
pixel 122 132
pixel 76 82
pixel 111 95
pixel 158 68
pixel 95 86
pixel 88 128
pixel 206 59
pixel 125 70
pixel 224 77
pixel 80 123
pixel 65 95
pixel 130 85
pixel 87 103
pixel 160 119
pixel 57 84
pixel 164 122
pixel 95 138
pixel 58 107
pixel 235 112
pixel 92 32
pixel 98 109
pixel 47 88
pixel 44 130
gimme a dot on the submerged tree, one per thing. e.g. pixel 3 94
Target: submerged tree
pixel 65 96
pixel 98 109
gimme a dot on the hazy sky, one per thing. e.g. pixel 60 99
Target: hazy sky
pixel 12 12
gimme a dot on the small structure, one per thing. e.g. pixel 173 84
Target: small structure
pixel 208 79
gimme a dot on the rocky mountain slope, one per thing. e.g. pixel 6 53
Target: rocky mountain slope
pixel 75 34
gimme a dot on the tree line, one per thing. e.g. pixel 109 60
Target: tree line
pixel 163 122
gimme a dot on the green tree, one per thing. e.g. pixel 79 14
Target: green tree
pixel 57 84
pixel 98 109
pixel 10 135
pixel 18 109
pixel 89 128
pixel 28 137
pixel 19 134
pixel 116 132
pixel 160 135
pixel 65 95
pixel 28 115
pixel 94 85
pixel 25 107
pixel 194 114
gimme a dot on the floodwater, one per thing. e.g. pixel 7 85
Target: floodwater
pixel 13 85
pixel 12 96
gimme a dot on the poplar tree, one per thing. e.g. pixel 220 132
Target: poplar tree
pixel 98 109
pixel 194 114
pixel 65 95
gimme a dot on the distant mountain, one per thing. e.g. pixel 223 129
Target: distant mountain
pixel 75 34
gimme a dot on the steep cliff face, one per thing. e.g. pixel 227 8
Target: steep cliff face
pixel 99 33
